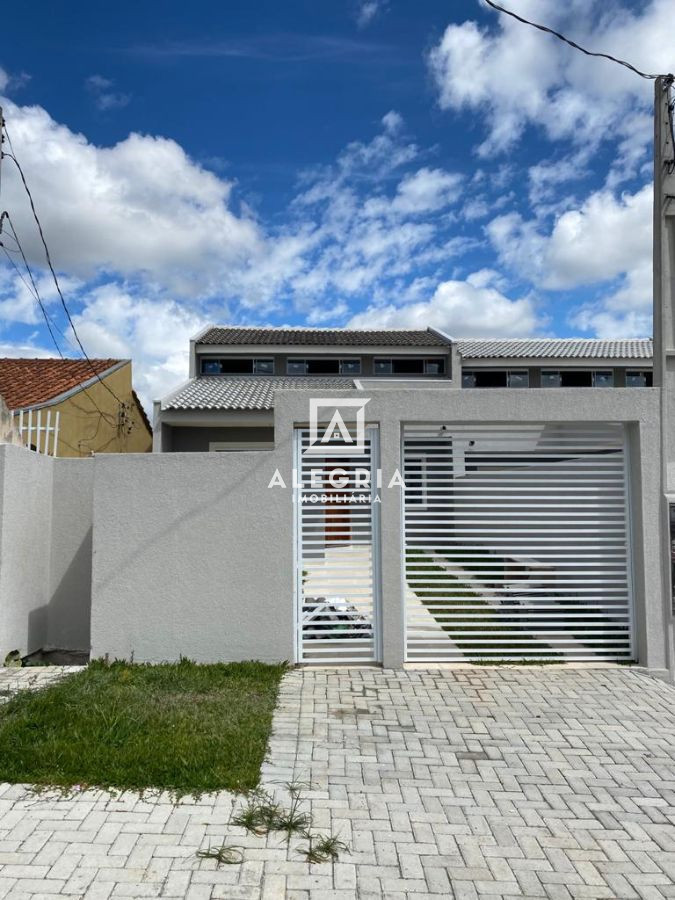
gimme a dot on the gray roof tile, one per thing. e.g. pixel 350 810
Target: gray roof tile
pixel 242 392
pixel 324 337
pixel 555 348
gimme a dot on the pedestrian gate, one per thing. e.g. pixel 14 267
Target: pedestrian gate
pixel 516 543
pixel 337 540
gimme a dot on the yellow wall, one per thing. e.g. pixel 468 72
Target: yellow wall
pixel 83 429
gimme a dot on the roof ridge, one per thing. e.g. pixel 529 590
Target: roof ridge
pixel 513 340
pixel 309 328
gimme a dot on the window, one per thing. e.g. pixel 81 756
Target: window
pixel 434 366
pixel 576 378
pixel 407 367
pixel 295 367
pixel 322 366
pixel 326 366
pixel 237 365
pixel 550 378
pixel 638 379
pixel 518 378
pixel 350 366
pixel 487 378
pixel 263 366
pixel 468 379
pixel 603 378
pixel 410 366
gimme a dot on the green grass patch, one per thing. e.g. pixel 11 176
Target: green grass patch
pixel 181 727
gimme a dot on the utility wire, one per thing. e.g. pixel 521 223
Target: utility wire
pixel 621 62
pixel 51 267
pixel 32 287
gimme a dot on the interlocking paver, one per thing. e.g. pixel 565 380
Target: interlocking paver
pixel 474 783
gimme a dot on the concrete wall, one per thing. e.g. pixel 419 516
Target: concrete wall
pixel 193 554
pixel 70 560
pixel 45 551
pixel 193 557
pixel 25 541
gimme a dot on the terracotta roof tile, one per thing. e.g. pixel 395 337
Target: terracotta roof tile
pixel 29 382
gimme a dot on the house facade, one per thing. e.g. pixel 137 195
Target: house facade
pixel 228 401
pixel 503 503
pixel 75 407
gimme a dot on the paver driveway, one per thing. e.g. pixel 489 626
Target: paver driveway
pixel 473 783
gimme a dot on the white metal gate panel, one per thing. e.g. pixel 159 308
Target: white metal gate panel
pixel 337 584
pixel 517 543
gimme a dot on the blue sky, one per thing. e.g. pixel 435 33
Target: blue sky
pixel 367 162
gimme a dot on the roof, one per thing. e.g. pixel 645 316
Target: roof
pixel 243 392
pixel 555 348
pixel 323 337
pixel 30 382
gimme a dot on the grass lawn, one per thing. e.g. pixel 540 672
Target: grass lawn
pixel 183 727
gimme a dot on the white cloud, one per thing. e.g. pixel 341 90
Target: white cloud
pixel 153 332
pixel 367 10
pixel 141 208
pixel 470 308
pixel 516 76
pixel 104 96
pixel 607 236
pixel 12 82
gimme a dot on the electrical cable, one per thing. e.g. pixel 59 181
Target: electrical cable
pixel 545 28
pixel 51 266
pixel 32 287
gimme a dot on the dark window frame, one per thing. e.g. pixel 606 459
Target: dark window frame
pixel 304 360
pixel 389 363
pixel 222 363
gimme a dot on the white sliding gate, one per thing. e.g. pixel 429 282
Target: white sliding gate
pixel 337 532
pixel 517 543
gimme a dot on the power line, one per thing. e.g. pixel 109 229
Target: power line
pixel 621 62
pixel 51 266
pixel 33 290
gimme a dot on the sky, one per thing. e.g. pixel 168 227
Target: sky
pixel 364 163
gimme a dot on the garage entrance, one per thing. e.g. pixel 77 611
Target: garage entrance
pixel 517 543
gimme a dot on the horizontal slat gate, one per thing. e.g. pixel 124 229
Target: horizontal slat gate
pixel 516 543
pixel 337 588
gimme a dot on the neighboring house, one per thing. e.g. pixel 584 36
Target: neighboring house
pixel 228 402
pixel 75 407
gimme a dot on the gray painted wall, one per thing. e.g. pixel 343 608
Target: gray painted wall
pixel 70 561
pixel 45 551
pixel 192 557
pixel 25 540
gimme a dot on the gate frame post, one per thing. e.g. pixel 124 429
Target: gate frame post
pixel 391 549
